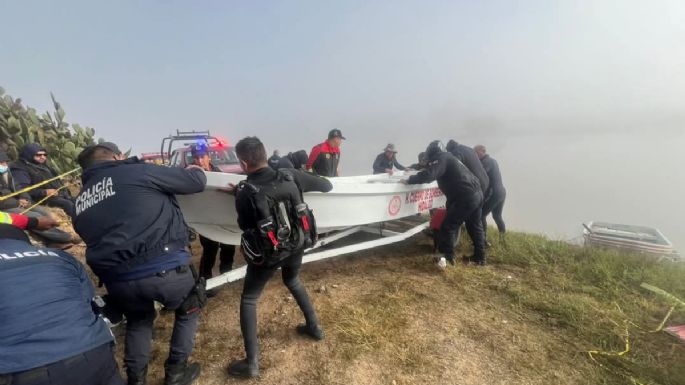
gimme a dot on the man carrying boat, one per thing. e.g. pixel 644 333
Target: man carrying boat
pixel 469 158
pixel 387 160
pixel 209 247
pixel 137 245
pixel 494 203
pixel 464 202
pixel 324 160
pixel 296 160
pixel 277 226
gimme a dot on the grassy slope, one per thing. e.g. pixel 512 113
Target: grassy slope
pixel 393 318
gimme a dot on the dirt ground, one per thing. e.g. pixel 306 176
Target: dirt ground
pixel 391 317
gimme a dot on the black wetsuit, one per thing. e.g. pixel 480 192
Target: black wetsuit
pixel 495 202
pixel 257 276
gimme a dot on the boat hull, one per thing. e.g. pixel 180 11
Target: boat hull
pixel 354 201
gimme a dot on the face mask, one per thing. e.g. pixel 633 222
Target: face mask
pixel 3 169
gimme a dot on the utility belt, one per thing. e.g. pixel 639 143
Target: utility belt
pixel 197 297
pixel 41 374
pixel 116 271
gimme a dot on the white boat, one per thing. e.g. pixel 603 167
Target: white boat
pixel 640 239
pixel 354 201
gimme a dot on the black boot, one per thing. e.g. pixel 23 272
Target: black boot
pixel 136 378
pixel 314 332
pixel 181 373
pixel 476 261
pixel 243 369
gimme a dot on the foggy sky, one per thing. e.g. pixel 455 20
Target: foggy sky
pixel 580 101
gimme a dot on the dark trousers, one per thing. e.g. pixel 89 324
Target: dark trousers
pixel 495 205
pixel 94 367
pixel 136 299
pixel 209 250
pixel 63 203
pixel 255 280
pixel 465 209
pixel 50 235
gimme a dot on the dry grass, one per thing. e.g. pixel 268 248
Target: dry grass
pixel 392 317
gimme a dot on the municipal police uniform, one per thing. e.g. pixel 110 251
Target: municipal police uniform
pixel 49 334
pixel 137 242
pixel 469 158
pixel 464 201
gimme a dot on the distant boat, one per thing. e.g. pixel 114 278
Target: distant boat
pixel 640 239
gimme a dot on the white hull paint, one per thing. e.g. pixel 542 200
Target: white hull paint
pixel 354 201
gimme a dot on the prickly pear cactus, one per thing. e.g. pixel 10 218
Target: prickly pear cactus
pixel 20 125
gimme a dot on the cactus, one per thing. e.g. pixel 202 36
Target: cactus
pixel 20 125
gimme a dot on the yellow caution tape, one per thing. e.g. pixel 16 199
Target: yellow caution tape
pixel 35 186
pixel 46 198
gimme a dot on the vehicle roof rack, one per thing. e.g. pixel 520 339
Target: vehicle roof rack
pixel 195 136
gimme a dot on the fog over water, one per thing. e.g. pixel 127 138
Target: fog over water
pixel 582 103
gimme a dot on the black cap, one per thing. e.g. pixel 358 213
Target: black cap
pixel 13 232
pixel 3 156
pixel 89 150
pixel 335 133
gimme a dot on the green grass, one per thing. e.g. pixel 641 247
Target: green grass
pixel 596 296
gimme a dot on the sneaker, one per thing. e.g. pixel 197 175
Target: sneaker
pixel 243 369
pixel 314 332
pixel 442 263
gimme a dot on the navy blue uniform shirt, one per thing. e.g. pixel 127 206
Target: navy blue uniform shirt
pixel 45 308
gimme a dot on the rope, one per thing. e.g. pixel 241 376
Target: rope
pixel 35 186
pixel 44 199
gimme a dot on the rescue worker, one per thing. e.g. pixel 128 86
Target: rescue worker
pixel 137 245
pixel 422 162
pixel 468 157
pixel 324 160
pixel 52 237
pixel 252 156
pixel 32 168
pixel 274 159
pixel 50 334
pixel 464 202
pixel 210 247
pixel 386 160
pixel 296 160
pixel 494 203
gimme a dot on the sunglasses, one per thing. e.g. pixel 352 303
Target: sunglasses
pixel 42 155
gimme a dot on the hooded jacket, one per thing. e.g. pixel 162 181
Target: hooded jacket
pixel 492 168
pixel 127 214
pixel 454 179
pixel 27 172
pixel 469 158
pixel 296 160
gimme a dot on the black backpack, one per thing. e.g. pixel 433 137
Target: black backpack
pixel 285 224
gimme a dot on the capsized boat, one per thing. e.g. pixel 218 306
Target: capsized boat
pixel 354 201
pixel 641 239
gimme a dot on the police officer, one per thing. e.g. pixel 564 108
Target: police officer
pixel 296 160
pixel 137 246
pixel 464 202
pixel 494 203
pixel 324 159
pixel 210 247
pixel 50 334
pixel 466 155
pixel 386 160
pixel 252 156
